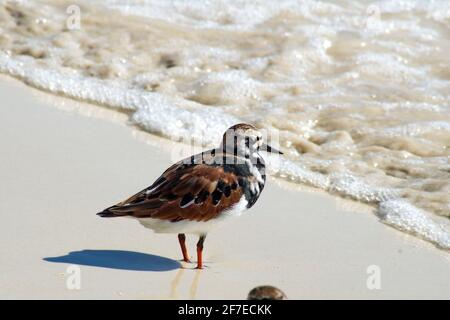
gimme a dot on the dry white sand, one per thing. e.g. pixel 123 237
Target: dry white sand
pixel 59 167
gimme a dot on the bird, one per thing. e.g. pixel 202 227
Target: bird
pixel 196 193
pixel 266 293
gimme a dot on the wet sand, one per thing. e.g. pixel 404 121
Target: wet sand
pixel 59 167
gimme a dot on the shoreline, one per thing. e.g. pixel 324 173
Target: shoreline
pixel 73 164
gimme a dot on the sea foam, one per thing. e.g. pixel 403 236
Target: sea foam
pixel 357 93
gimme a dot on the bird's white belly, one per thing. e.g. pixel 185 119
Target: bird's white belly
pixel 193 227
pixel 184 226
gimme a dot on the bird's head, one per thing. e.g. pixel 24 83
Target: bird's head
pixel 244 139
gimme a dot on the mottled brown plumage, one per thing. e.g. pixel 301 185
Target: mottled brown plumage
pixel 198 190
pixel 162 200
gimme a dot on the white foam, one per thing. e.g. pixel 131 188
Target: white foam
pixel 324 74
pixel 154 112
pixel 241 14
pixel 404 216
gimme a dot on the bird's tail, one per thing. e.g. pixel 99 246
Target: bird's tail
pixel 110 213
pixel 106 214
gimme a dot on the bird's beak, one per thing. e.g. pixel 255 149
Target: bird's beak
pixel 267 148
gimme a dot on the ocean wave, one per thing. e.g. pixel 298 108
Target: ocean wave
pixel 357 93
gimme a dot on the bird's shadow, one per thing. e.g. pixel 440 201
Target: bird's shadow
pixel 117 259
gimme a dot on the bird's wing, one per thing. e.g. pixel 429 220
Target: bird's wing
pixel 196 192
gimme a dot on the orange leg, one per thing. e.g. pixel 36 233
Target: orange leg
pixel 200 242
pixel 182 240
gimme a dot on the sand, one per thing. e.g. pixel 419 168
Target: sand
pixel 62 161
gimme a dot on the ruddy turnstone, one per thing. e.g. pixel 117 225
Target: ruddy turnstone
pixel 266 293
pixel 197 192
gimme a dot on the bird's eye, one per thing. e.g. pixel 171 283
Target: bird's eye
pixel 258 138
